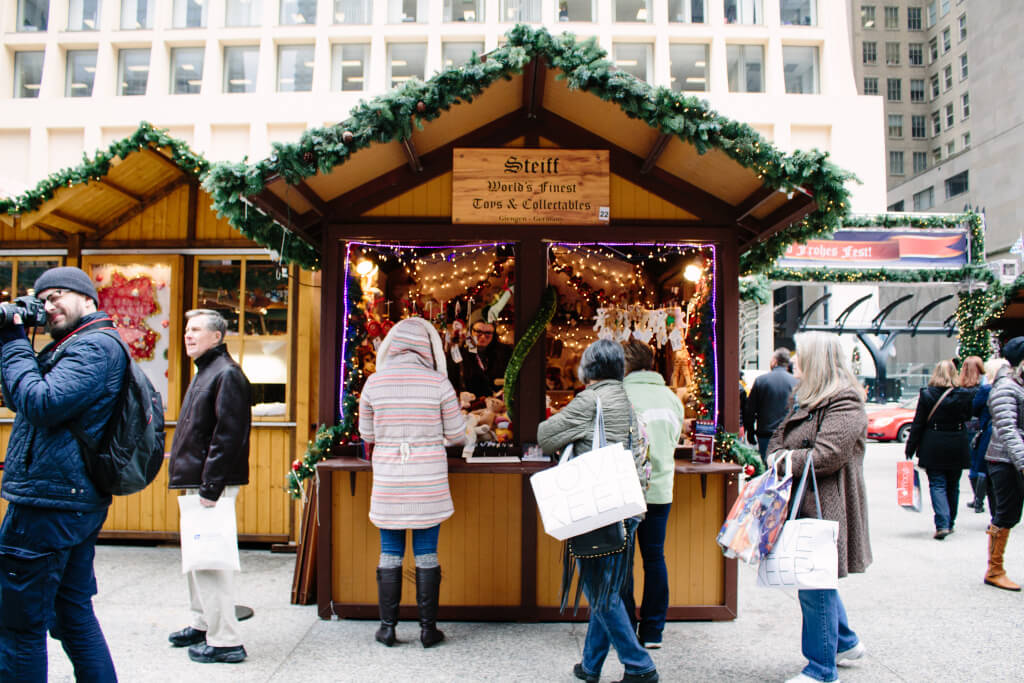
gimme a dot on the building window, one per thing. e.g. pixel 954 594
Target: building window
pixel 632 58
pixel 406 61
pixel 189 13
pixel 963 66
pixel 950 148
pixel 689 67
pixel 920 162
pixel 947 73
pixel 966 140
pixel 870 52
pixel 798 12
pixel 917 90
pixel 800 67
pixel 132 71
pixel 679 11
pixel 918 128
pixel 893 89
pixel 895 125
pixel 349 66
pixel 925 199
pixel 745 68
pixel 243 13
pixel 892 18
pixel 33 15
pixel 913 18
pixel 470 11
pixel 956 185
pixel 28 73
pixel 583 10
pixel 136 14
pixel 898 206
pixel 525 11
pixel 949 115
pixel 83 15
pixel 933 15
pixel 296 12
pixel 240 68
pixel 936 123
pixel 933 50
pixel 742 12
pixel 892 54
pixel 632 11
pixel 935 85
pixel 937 155
pixel 965 104
pixel 946 42
pixel 963 26
pixel 81 71
pixel 456 54
pixel 915 54
pixel 895 163
pixel 867 16
pixel 870 85
pixel 186 70
pixel 944 8
pixel 295 68
pixel 357 11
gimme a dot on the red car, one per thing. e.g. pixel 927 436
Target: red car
pixel 892 424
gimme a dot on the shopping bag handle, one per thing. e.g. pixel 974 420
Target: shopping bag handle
pixel 599 441
pixel 795 503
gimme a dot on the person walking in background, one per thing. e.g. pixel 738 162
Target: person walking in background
pixel 601 369
pixel 826 421
pixel 660 412
pixel 1005 459
pixel 407 410
pixel 210 459
pixel 939 438
pixel 980 441
pixel 766 402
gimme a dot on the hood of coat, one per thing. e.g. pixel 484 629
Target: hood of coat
pixel 644 377
pixel 415 341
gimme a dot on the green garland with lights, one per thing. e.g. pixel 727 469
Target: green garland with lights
pixel 548 306
pixel 755 288
pixel 731 448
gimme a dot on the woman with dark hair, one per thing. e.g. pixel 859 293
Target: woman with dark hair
pixel 601 369
pixel 979 444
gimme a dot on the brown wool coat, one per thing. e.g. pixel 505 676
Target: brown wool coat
pixel 837 448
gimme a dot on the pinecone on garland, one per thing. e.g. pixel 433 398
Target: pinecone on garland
pixel 347 137
pixel 308 157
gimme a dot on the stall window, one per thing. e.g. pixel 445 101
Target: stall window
pixel 17 275
pixel 689 67
pixel 464 10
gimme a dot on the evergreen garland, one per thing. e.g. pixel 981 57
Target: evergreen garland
pixel 755 288
pixel 731 448
pixel 537 327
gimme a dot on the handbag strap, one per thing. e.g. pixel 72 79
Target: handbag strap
pixel 936 406
pixel 795 503
pixel 599 438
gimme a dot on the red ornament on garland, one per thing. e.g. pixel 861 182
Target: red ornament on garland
pixel 749 470
pixel 421 106
pixel 347 137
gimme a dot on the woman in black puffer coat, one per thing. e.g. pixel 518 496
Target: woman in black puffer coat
pixel 939 438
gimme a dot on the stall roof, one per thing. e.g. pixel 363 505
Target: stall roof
pixel 535 86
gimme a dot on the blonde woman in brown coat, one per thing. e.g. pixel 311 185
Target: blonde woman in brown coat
pixel 826 422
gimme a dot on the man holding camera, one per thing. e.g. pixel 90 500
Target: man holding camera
pixel 48 536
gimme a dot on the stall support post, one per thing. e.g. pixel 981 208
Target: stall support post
pixel 331 362
pixel 727 323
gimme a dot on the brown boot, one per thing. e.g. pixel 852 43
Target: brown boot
pixel 996 575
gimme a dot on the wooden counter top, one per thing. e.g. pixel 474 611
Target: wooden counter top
pixel 352 464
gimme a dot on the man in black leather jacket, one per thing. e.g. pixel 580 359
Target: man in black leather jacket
pixel 766 403
pixel 210 459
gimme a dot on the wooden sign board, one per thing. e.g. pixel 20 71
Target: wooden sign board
pixel 510 186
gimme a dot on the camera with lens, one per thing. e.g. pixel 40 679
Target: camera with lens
pixel 31 310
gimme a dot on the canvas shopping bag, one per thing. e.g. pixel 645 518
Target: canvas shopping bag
pixel 756 518
pixel 908 486
pixel 588 491
pixel 805 556
pixel 209 536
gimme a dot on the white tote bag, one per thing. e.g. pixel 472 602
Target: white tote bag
pixel 209 536
pixel 588 491
pixel 805 555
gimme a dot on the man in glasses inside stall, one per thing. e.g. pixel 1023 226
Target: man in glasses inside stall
pixel 479 363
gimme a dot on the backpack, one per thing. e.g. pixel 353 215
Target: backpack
pixel 128 456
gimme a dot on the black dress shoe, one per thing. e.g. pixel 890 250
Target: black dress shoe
pixel 649 677
pixel 207 654
pixel 578 672
pixel 187 636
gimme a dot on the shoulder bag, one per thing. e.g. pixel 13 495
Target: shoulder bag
pixel 933 440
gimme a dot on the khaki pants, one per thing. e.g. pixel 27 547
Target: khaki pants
pixel 211 595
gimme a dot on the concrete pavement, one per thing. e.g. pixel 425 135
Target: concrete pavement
pixel 921 610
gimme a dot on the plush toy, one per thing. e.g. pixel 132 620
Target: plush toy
pixel 475 432
pixel 483 417
pixel 466 400
pixel 502 430
pixel 495 405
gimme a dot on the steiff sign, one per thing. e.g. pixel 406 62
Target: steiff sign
pixel 530 186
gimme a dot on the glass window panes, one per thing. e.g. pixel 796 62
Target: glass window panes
pixel 189 13
pixel 935 85
pixel 295 12
pixel 913 18
pixel 947 73
pixel 917 90
pixel 965 104
pixel 956 184
pixel 743 12
pixel 243 12
pixel 745 66
pixel 266 299
pixel 18 275
pixel 132 71
pixel 870 52
pixel 963 26
pixel 33 15
pixel 83 15
pixel 470 11
pixel 966 140
pixel 946 42
pixel 944 8
pixel 870 85
pixel 186 70
pixel 800 67
pixel 632 58
pixel 915 54
pixel 689 67
pixel 405 61
pixel 525 11
pixel 28 73
pixel 918 126
pixel 867 16
pixel 897 206
pixel 963 66
pixel 937 154
pixel 456 54
pixel 895 162
pixel 218 284
pixel 81 72
pixel 932 14
pixel 950 120
pixel 632 10
pixel 584 10
pixel 892 53
pixel 353 11
pixel 933 49
pixel 137 14
pixel 349 66
pixel 407 11
pixel 688 11
pixel 294 68
pixel 920 162
pixel 240 68
pixel 925 199
pixel 798 12
pixel 895 125
pixel 950 148
pixel 936 123
pixel 892 18
pixel 893 89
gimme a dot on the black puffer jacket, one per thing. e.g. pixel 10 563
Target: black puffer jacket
pixel 951 451
pixel 211 441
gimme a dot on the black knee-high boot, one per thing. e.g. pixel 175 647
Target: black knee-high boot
pixel 389 595
pixel 428 589
pixel 979 494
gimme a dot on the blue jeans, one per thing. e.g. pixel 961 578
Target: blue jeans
pixel 424 541
pixel 611 628
pixel 944 487
pixel 650 536
pixel 825 632
pixel 762 447
pixel 46 584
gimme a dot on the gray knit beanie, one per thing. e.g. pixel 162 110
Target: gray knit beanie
pixel 67 277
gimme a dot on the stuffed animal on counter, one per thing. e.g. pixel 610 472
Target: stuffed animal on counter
pixel 503 431
pixel 475 431
pixel 466 400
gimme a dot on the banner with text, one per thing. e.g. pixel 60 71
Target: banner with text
pixel 881 248
pixel 530 186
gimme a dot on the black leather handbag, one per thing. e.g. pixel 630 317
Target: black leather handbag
pixel 607 540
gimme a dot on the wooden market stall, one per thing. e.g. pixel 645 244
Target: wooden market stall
pixel 403 200
pixel 137 220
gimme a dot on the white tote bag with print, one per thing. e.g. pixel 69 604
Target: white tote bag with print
pixel 209 536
